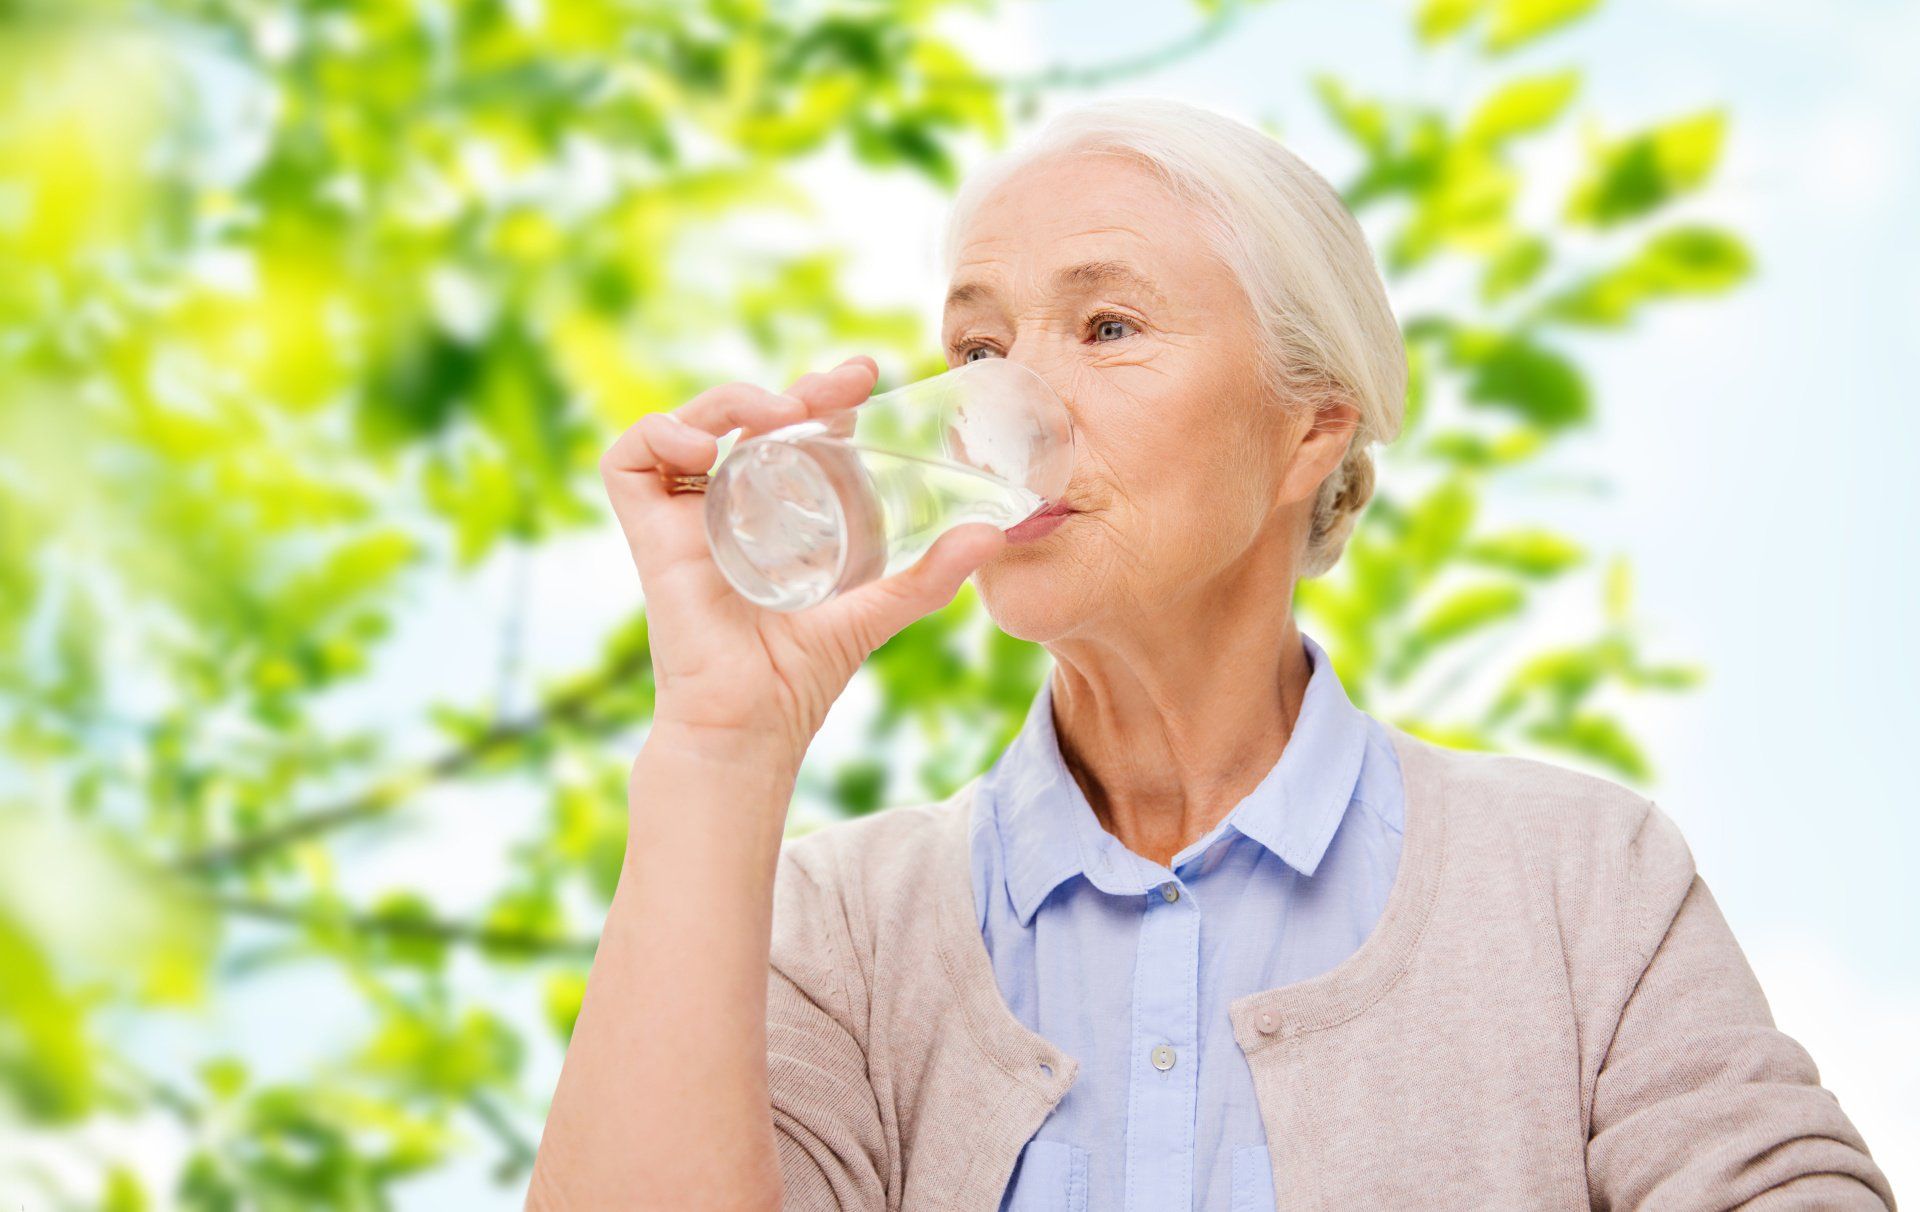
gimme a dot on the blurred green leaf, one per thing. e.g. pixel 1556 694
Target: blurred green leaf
pixel 1522 106
pixel 1619 590
pixel 1667 677
pixel 1465 206
pixel 518 921
pixel 47 1068
pixel 1439 19
pixel 1512 23
pixel 1598 738
pixel 904 142
pixel 1512 267
pixel 1467 610
pixel 124 1192
pixel 1561 677
pixel 224 1077
pixel 1634 176
pixel 1530 552
pixel 408 940
pixel 110 922
pixel 1363 121
pixel 1515 373
pixel 1685 260
pixel 1437 524
pixel 1516 22
pixel 860 785
pixel 447 1057
pixel 561 1002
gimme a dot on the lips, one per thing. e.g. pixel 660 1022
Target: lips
pixel 1039 524
pixel 1055 510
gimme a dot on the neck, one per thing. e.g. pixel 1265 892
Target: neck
pixel 1166 727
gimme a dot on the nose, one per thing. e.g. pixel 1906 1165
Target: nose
pixel 1055 446
pixel 1050 372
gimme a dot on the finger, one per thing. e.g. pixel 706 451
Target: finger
pixel 660 532
pixel 685 441
pixel 842 387
pixel 655 520
pixel 688 434
pixel 877 611
pixel 747 406
pixel 677 446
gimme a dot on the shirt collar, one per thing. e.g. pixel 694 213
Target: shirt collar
pixel 1049 833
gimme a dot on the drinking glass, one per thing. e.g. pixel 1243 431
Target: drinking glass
pixel 799 514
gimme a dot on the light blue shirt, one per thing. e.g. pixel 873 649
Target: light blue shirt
pixel 1129 966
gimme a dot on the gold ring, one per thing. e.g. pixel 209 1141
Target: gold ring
pixel 680 483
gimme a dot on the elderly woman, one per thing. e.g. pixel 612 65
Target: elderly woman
pixel 1206 936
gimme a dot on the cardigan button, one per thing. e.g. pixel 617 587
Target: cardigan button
pixel 1267 1023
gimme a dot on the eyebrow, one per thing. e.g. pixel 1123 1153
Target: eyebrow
pixel 1073 277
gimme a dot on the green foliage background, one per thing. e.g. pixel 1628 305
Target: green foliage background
pixel 308 307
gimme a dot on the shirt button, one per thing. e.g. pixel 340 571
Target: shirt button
pixel 1163 1058
pixel 1170 891
pixel 1266 1022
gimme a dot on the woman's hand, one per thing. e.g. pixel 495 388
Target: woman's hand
pixel 727 672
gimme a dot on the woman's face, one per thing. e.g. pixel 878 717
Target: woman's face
pixel 1091 272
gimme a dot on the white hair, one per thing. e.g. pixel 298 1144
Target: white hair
pixel 1327 331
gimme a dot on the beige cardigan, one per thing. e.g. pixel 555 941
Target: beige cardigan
pixel 1551 1013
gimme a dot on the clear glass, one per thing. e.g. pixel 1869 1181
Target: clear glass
pixel 797 515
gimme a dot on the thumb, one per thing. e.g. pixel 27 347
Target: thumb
pixel 879 610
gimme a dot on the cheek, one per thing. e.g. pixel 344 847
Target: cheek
pixel 1180 478
pixel 1153 434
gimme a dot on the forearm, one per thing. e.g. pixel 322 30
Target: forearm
pixel 663 1101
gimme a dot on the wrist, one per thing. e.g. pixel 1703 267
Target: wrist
pixel 712 763
pixel 698 804
pixel 769 746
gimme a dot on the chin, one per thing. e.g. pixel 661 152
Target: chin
pixel 1029 596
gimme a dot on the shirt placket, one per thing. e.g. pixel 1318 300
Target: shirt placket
pixel 1165 1055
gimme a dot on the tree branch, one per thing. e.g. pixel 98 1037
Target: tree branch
pixel 397 926
pixel 1066 75
pixel 519 1149
pixel 384 796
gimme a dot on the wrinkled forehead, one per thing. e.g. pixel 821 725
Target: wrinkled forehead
pixel 1101 275
pixel 1071 223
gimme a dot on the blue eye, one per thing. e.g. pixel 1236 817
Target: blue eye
pixel 1112 328
pixel 985 349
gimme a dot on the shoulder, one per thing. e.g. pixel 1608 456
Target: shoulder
pixel 847 891
pixel 1602 851
pixel 1540 807
pixel 867 853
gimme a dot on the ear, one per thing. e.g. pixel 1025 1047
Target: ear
pixel 1321 448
